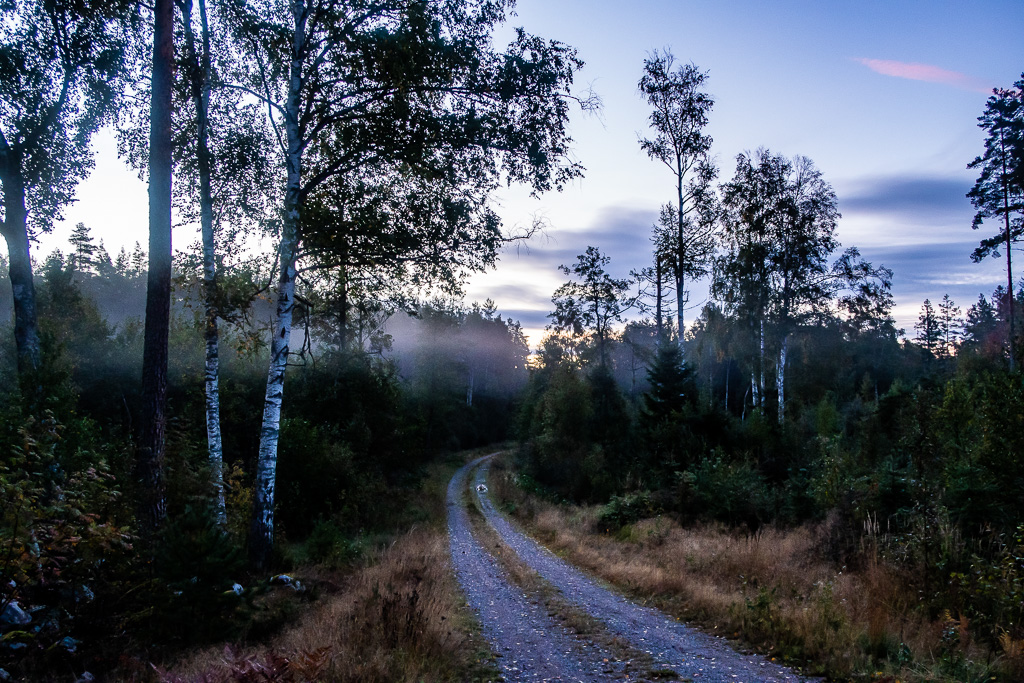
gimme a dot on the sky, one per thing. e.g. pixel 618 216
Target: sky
pixel 882 96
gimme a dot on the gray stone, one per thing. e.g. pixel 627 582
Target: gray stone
pixel 14 614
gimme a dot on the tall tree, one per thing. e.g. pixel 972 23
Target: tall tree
pixel 950 327
pixel 981 324
pixel 679 114
pixel 592 303
pixel 415 85
pixel 781 218
pixel 929 335
pixel 60 67
pixel 867 302
pixel 150 451
pixel 998 192
pixel 198 59
pixel 222 149
pixel 84 249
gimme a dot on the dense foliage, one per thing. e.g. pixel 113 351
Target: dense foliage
pixel 793 399
pixel 366 425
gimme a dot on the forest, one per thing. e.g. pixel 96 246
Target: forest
pixel 199 447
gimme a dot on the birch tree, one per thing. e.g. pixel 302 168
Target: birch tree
pixel 61 64
pixel 198 59
pixel 591 303
pixel 222 151
pixel 352 84
pixel 781 223
pixel 867 302
pixel 407 232
pixel 686 229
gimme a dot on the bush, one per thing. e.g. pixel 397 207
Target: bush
pixel 627 509
pixel 60 539
pixel 730 492
pixel 189 598
pixel 320 477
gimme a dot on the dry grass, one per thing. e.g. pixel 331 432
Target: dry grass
pixel 567 614
pixel 400 619
pixel 772 590
pixel 400 616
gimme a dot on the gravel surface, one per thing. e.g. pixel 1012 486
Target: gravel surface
pixel 692 654
pixel 530 644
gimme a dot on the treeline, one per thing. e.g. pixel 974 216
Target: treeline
pixel 792 398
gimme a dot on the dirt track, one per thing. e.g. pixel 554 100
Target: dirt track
pixel 533 646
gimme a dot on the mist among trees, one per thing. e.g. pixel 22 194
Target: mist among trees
pixel 172 423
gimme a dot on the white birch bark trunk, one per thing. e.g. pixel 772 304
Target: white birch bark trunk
pixel 470 386
pixel 781 377
pixel 728 367
pixel 212 368
pixel 760 386
pixel 261 540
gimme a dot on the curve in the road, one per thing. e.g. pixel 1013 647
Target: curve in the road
pixel 689 652
pixel 530 644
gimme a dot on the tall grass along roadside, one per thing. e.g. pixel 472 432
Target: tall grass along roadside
pixel 774 590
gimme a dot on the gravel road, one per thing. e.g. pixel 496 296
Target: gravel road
pixel 531 645
pixel 692 654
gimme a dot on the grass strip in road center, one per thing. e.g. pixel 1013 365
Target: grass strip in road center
pixel 636 662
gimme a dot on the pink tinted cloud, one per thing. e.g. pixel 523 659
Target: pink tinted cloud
pixel 925 72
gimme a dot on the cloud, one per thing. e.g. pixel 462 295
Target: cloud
pixel 621 233
pixel 925 72
pixel 927 271
pixel 916 199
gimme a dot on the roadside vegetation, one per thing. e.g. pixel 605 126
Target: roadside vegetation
pixel 790 468
pixel 390 611
pixel 365 462
pixel 243 444
pixel 773 591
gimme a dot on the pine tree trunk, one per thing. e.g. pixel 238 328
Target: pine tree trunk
pixel 261 533
pixel 15 232
pixel 658 321
pixel 680 257
pixel 1009 260
pixel 150 454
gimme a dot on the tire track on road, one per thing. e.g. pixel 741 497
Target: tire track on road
pixel 530 644
pixel 690 653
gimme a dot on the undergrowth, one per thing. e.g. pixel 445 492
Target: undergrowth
pixel 388 608
pixel 774 590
